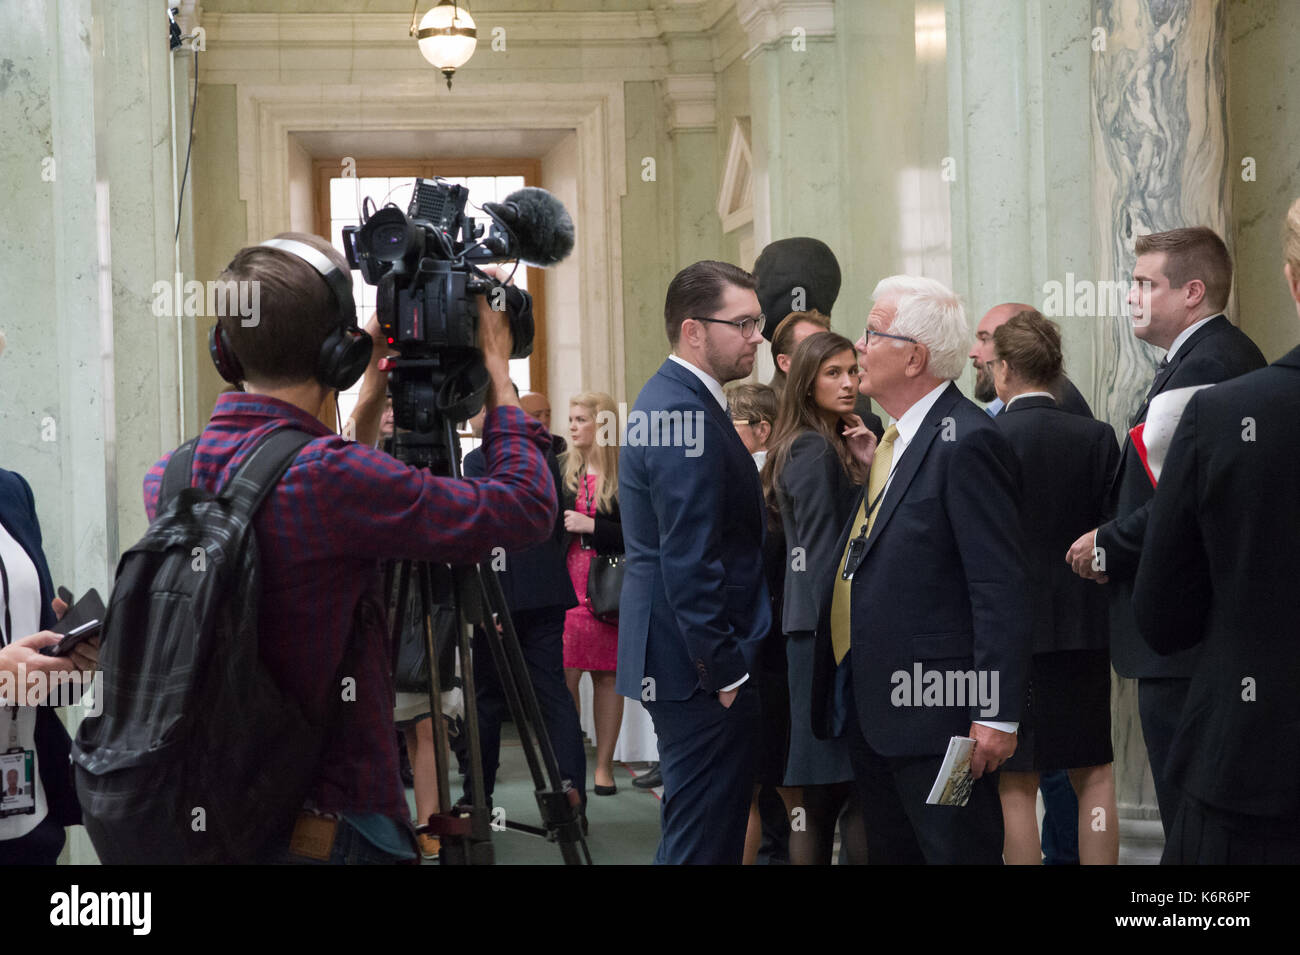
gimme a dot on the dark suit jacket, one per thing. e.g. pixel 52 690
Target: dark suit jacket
pixel 538 577
pixel 1217 352
pixel 816 498
pixel 1066 461
pixel 695 607
pixel 1070 399
pixel 53 746
pixel 1218 572
pixel 942 584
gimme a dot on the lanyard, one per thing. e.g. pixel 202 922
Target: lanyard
pixel 9 627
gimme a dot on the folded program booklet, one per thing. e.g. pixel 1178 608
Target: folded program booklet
pixel 952 785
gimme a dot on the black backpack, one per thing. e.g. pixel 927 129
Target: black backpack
pixel 198 756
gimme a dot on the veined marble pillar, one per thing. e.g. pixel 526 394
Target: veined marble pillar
pixel 1159 113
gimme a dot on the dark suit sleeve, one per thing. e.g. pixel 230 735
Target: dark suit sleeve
pixel 1171 594
pixel 689 497
pixel 1121 539
pixel 1107 464
pixel 814 483
pixel 981 494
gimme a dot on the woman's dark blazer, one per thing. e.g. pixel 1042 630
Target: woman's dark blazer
pixel 53 746
pixel 1066 462
pixel 816 497
pixel 608 536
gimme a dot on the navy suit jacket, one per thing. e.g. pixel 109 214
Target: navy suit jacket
pixel 943 584
pixel 694 608
pixel 538 577
pixel 1217 352
pixel 53 746
pixel 1217 572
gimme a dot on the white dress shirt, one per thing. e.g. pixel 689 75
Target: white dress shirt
pixel 907 426
pixel 1030 394
pixel 715 389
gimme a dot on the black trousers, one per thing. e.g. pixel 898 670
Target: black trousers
pixel 706 756
pixel 1204 835
pixel 1160 706
pixel 541 636
pixel 902 829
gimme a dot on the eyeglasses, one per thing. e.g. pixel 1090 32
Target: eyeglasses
pixel 747 326
pixel 743 421
pixel 898 338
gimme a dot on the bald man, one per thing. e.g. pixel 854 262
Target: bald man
pixel 538 406
pixel 1067 396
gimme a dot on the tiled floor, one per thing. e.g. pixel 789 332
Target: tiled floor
pixel 624 828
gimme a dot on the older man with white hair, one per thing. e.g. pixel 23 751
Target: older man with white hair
pixel 927 637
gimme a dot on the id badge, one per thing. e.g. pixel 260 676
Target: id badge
pixel 853 558
pixel 17 782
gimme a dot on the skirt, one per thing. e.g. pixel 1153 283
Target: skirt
pixel 1066 721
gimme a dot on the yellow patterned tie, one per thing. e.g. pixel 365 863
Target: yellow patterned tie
pixel 840 599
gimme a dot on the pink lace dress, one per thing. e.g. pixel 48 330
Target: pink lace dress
pixel 589 644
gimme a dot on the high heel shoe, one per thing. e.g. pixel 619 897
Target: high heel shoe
pixel 605 790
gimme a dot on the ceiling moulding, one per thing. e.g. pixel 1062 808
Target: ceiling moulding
pixel 692 101
pixel 634 41
pixel 768 22
pixel 736 196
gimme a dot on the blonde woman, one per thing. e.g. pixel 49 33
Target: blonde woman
pixel 589 498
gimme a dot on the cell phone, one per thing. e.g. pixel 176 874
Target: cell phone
pixel 74 638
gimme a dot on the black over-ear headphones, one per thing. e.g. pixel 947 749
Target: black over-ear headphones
pixel 346 350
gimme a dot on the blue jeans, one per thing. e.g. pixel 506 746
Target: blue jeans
pixel 350 848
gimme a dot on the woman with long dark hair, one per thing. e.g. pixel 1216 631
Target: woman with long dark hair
pixel 818 457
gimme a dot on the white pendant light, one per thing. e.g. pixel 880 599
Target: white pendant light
pixel 446 35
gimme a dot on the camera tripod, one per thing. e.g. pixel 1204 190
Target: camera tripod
pixel 473 595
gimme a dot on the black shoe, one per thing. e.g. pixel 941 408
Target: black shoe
pixel 605 790
pixel 651 780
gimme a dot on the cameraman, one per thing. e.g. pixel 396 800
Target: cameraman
pixel 341 509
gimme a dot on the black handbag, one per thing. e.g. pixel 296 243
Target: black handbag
pixel 411 668
pixel 604 584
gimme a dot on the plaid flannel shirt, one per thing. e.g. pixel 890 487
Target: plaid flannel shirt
pixel 339 511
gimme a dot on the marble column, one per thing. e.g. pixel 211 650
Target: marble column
pixel 1019 149
pixel 692 127
pixel 1159 114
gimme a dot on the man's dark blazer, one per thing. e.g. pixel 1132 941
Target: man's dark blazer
pixel 53 745
pixel 694 608
pixel 942 583
pixel 537 577
pixel 816 498
pixel 1216 352
pixel 1218 572
pixel 1066 461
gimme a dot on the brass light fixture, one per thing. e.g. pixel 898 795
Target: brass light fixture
pixel 447 36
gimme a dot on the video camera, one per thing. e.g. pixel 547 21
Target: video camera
pixel 425 263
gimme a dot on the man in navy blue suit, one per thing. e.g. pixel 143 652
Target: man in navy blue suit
pixel 931 585
pixel 694 606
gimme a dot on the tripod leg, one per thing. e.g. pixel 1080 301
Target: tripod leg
pixel 556 802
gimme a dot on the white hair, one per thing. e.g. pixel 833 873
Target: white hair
pixel 931 313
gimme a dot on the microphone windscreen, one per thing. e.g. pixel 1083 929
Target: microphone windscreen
pixel 540 223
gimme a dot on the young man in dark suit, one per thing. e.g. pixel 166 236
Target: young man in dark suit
pixel 694 607
pixel 1180 287
pixel 1216 573
pixel 937 583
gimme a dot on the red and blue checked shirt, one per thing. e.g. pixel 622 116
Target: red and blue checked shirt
pixel 339 511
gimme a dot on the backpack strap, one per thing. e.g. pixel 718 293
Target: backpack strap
pixel 263 469
pixel 177 474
